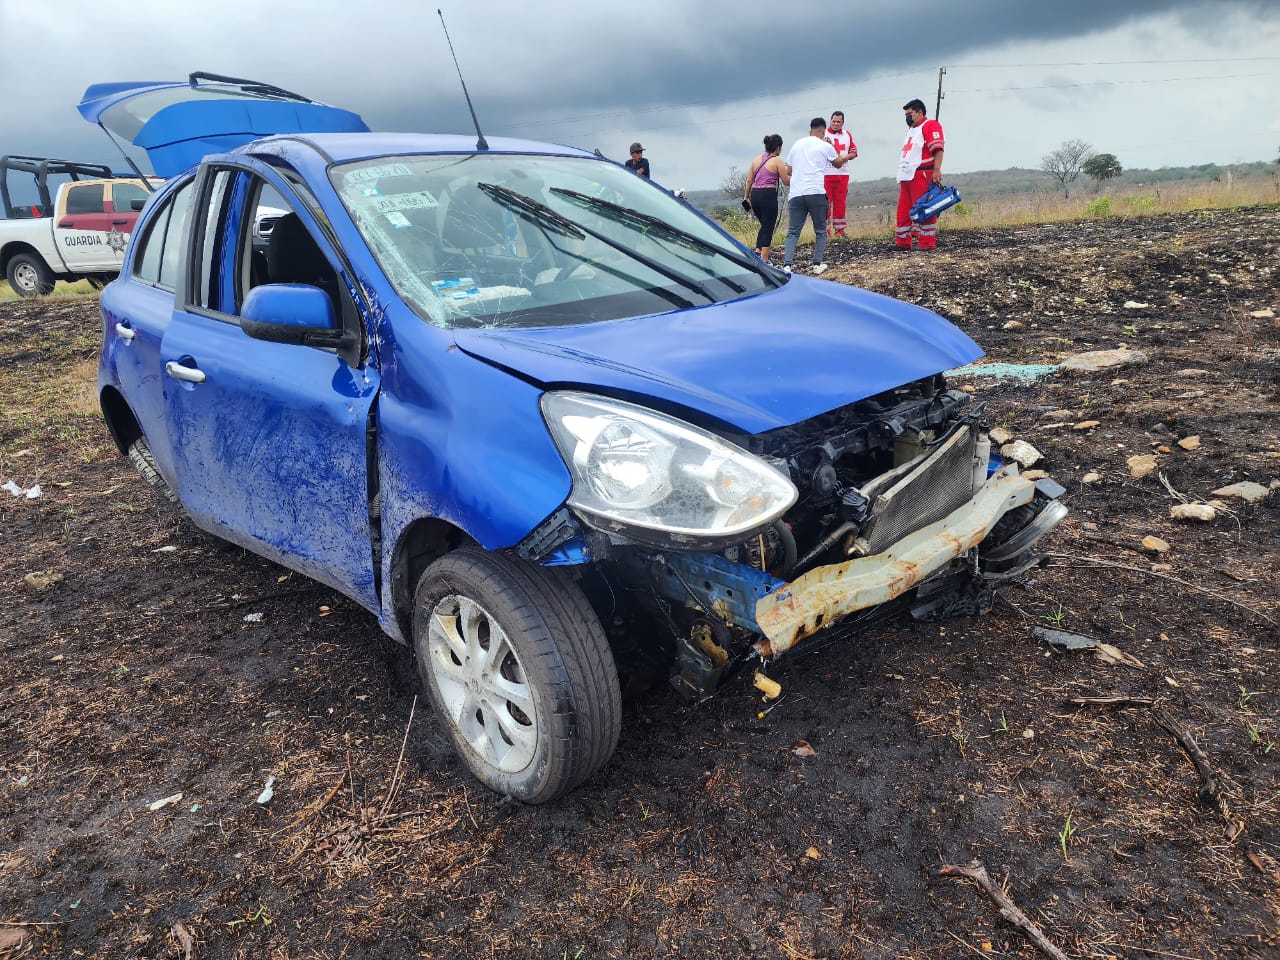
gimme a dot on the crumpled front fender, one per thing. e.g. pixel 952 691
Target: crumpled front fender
pixel 826 594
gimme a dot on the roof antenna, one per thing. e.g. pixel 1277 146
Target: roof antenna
pixel 481 142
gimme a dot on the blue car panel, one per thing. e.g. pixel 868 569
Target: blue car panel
pixel 178 124
pixel 757 363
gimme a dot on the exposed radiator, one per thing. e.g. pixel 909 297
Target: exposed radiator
pixel 928 493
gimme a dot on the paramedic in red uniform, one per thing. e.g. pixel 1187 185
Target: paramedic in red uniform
pixel 836 179
pixel 921 164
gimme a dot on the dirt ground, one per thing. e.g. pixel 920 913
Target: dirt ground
pixel 145 660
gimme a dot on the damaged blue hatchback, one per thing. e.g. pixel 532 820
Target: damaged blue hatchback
pixel 512 400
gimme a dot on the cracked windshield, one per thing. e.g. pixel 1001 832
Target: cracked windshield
pixel 516 241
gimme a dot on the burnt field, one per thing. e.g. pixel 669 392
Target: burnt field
pixel 145 660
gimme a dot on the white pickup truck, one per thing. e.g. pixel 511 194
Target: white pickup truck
pixel 81 231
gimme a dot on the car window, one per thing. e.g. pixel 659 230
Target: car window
pixel 155 251
pixel 86 199
pixel 175 235
pixel 123 195
pixel 526 240
pixel 252 235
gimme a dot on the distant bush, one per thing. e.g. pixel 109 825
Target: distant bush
pixel 962 209
pixel 1142 205
pixel 1098 208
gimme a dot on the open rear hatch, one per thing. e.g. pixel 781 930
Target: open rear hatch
pixel 178 124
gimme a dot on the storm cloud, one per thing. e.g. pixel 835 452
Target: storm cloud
pixel 703 82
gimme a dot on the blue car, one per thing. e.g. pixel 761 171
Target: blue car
pixel 516 402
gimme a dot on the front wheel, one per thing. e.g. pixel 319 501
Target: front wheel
pixel 29 276
pixel 515 661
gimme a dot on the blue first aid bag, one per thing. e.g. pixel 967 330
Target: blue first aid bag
pixel 935 200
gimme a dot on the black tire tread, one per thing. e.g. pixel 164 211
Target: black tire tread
pixel 145 463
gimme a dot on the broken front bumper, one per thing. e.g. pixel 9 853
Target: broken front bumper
pixel 827 594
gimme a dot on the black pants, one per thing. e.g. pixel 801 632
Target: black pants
pixel 764 204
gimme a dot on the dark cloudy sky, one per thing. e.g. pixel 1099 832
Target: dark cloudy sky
pixel 1157 82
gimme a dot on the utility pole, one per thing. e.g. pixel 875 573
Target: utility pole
pixel 937 107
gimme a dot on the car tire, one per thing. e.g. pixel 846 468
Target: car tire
pixel 516 663
pixel 29 276
pixel 145 463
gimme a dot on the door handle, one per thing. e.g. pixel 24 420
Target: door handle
pixel 180 372
pixel 125 333
pixel 118 222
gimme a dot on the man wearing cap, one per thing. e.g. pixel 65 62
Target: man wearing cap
pixel 638 164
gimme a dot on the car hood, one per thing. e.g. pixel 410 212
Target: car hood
pixel 179 124
pixel 758 363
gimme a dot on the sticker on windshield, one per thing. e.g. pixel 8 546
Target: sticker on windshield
pixel 459 288
pixel 377 173
pixel 398 219
pixel 403 201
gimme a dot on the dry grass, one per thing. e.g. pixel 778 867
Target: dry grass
pixel 61 289
pixel 875 221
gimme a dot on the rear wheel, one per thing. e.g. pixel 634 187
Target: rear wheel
pixel 515 661
pixel 29 275
pixel 145 463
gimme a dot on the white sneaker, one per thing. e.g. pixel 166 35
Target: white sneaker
pixel 787 268
pixel 820 269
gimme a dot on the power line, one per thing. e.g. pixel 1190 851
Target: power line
pixel 1107 63
pixel 1114 83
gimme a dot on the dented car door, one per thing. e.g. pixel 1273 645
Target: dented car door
pixel 269 439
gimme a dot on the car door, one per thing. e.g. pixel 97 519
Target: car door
pixel 269 440
pixel 82 226
pixel 137 312
pixel 124 200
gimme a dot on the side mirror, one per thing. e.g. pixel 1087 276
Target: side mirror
pixel 138 204
pixel 290 313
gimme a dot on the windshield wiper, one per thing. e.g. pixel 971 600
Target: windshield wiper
pixel 534 210
pixel 537 213
pixel 634 217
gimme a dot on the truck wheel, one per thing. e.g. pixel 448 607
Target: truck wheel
pixel 145 463
pixel 514 659
pixel 29 276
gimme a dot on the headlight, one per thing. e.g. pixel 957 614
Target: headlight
pixel 657 478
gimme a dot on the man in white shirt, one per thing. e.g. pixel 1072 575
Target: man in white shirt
pixel 805 173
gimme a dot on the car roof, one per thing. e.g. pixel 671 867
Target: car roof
pixel 344 147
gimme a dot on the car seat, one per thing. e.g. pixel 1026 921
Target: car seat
pixel 294 257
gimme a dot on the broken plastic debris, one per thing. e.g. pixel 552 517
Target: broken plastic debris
pixel 161 804
pixel 1022 372
pixel 1060 638
pixel 771 689
pixel 253 618
pixel 268 791
pixel 29 492
pixel 801 748
pixel 170 549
